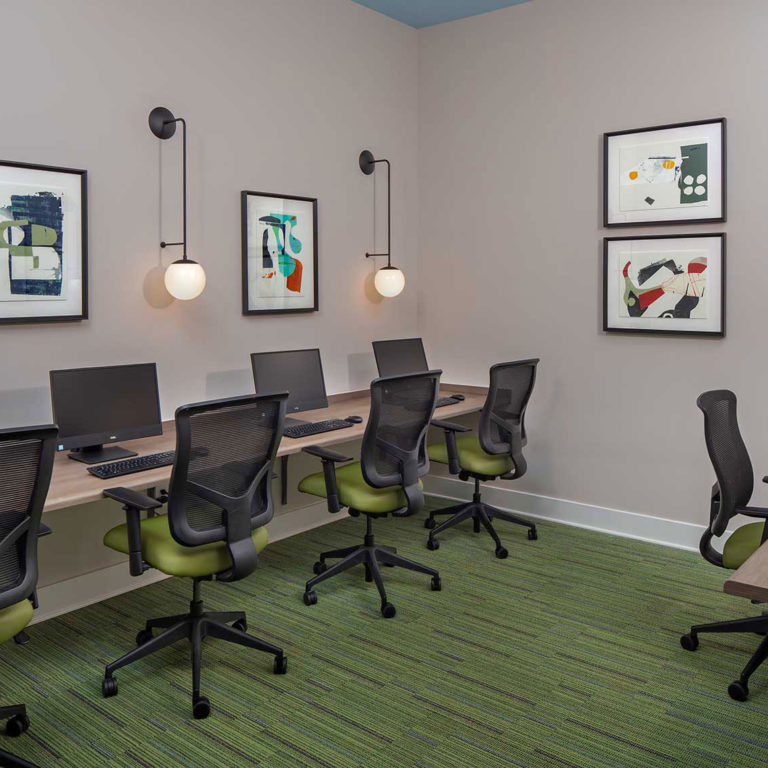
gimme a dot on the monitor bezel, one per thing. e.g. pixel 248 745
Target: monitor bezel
pixel 111 436
pixel 290 409
pixel 390 341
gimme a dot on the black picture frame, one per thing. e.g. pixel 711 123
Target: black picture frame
pixel 244 195
pixel 673 222
pixel 83 314
pixel 671 332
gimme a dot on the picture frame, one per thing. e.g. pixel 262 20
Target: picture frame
pixel 276 231
pixel 665 284
pixel 665 174
pixel 43 243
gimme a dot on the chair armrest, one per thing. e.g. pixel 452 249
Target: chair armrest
pixel 451 429
pixel 133 503
pixel 326 454
pixel 449 426
pixel 43 530
pixel 329 459
pixel 760 512
pixel 132 498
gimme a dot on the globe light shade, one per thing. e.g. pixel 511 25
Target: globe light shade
pixel 185 279
pixel 389 282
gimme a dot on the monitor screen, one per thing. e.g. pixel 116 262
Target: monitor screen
pixel 298 372
pixel 93 406
pixel 399 356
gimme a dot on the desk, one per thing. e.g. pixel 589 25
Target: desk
pixel 72 484
pixel 751 579
pixel 76 570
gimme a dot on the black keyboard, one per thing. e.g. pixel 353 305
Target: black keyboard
pixel 315 428
pixel 129 466
pixel 441 401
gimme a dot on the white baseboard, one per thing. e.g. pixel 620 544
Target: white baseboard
pixel 71 594
pixel 658 530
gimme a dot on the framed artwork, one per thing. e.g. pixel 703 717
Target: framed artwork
pixel 279 253
pixel 665 284
pixel 669 174
pixel 43 244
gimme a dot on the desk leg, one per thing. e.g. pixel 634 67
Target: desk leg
pixel 284 480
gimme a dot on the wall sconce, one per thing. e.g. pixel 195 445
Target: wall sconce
pixel 389 280
pixel 184 278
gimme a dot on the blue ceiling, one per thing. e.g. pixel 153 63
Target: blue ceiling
pixel 425 13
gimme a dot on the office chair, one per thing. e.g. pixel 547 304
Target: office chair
pixel 730 496
pixel 26 464
pixel 497 451
pixel 384 482
pixel 219 502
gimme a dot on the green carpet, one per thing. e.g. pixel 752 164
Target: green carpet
pixel 565 655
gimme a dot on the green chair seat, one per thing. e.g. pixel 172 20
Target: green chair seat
pixel 14 618
pixel 161 551
pixel 355 492
pixel 472 457
pixel 741 544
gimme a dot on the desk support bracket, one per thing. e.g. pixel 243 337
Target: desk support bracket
pixel 284 480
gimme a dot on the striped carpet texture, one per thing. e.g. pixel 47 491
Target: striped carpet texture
pixel 565 655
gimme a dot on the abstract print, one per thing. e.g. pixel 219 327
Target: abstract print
pixel 31 231
pixel 663 175
pixel 276 239
pixel 668 285
pixel 279 253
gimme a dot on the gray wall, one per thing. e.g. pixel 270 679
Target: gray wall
pixel 512 108
pixel 280 97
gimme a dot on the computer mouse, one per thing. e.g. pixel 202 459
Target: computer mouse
pixel 354 419
pixel 458 397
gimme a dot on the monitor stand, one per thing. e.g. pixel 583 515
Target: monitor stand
pixel 291 422
pixel 98 454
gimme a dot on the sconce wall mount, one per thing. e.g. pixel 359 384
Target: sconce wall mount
pixel 389 280
pixel 184 278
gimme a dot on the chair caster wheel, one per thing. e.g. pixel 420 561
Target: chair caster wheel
pixel 109 687
pixel 388 610
pixel 241 624
pixel 437 584
pixel 281 665
pixel 689 642
pixel 738 691
pixel 430 523
pixel 17 725
pixel 310 598
pixel 532 535
pixel 319 567
pixel 433 544
pixel 501 553
pixel 143 636
pixel 201 708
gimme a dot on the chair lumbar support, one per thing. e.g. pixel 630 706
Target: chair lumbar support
pixel 369 555
pixel 481 514
pixel 193 626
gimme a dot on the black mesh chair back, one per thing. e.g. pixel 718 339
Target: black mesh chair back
pixel 729 457
pixel 26 464
pixel 502 420
pixel 221 484
pixel 394 445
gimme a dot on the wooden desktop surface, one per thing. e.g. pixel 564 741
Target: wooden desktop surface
pixel 751 579
pixel 72 484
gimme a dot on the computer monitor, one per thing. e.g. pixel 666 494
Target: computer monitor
pixel 398 356
pixel 93 406
pixel 298 372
